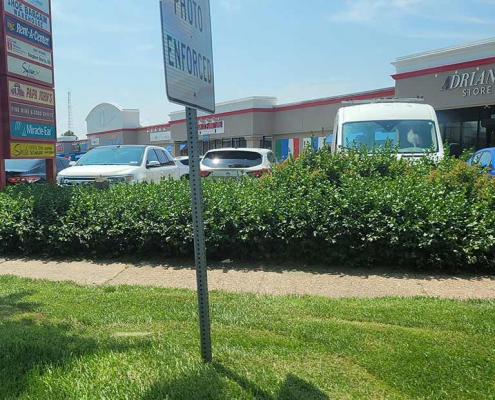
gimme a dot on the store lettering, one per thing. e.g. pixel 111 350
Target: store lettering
pixel 475 83
pixel 477 91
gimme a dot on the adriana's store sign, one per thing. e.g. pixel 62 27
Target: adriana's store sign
pixel 475 83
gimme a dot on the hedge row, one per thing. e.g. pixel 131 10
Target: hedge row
pixel 352 209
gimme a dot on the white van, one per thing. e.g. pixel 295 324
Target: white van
pixel 412 127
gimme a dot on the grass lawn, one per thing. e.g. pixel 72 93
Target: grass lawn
pixel 63 341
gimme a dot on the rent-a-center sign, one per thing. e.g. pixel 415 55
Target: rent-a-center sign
pixel 188 53
pixel 26 80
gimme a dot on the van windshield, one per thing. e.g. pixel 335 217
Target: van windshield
pixel 409 136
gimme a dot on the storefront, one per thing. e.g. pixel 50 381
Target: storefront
pixel 459 82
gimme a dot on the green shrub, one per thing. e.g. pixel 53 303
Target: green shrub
pixel 348 209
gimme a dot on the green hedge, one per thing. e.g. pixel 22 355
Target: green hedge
pixel 351 209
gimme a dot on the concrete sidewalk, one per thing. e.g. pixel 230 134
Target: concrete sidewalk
pixel 244 278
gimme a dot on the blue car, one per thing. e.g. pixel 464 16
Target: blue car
pixel 484 158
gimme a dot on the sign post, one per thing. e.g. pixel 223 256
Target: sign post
pixel 188 60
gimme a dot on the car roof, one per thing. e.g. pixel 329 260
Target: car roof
pixel 253 149
pixel 387 111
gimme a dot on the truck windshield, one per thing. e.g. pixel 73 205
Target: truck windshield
pixel 409 136
pixel 125 155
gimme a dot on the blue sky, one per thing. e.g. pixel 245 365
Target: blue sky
pixel 110 50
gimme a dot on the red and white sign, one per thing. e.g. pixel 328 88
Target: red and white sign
pixel 211 128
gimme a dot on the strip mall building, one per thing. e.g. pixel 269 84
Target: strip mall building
pixel 459 82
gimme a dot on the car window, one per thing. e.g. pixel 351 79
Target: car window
pixel 151 156
pixel 232 159
pixel 486 159
pixel 125 155
pixel 476 158
pixel 271 158
pixel 61 165
pixel 161 157
pixel 170 159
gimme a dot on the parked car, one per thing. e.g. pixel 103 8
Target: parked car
pixel 30 170
pixel 484 158
pixel 121 164
pixel 234 162
pixel 183 163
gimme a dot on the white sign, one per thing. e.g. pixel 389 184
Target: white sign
pixel 26 50
pixel 188 53
pixel 211 128
pixel 160 136
pixel 28 14
pixel 95 141
pixel 29 70
pixel 43 5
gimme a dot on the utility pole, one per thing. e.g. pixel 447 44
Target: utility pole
pixel 70 120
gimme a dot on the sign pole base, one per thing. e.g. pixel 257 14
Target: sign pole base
pixel 3 177
pixel 199 233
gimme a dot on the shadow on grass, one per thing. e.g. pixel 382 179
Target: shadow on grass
pixel 210 383
pixel 30 343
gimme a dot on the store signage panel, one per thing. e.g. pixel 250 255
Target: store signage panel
pixel 32 130
pixel 36 36
pixel 211 128
pixel 32 150
pixel 479 82
pixel 43 5
pixel 188 53
pixel 29 70
pixel 24 92
pixel 95 141
pixel 27 14
pixel 29 111
pixel 160 136
pixel 20 48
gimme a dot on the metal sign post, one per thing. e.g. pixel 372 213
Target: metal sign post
pixel 188 60
pixel 199 233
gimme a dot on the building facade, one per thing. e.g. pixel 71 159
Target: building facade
pixel 459 82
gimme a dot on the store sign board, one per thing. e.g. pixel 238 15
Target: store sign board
pixel 23 49
pixel 24 92
pixel 32 150
pixel 211 128
pixel 160 136
pixel 479 82
pixel 188 53
pixel 95 141
pixel 36 36
pixel 27 14
pixel 29 111
pixel 43 5
pixel 29 70
pixel 32 130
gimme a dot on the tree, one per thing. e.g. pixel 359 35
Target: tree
pixel 69 133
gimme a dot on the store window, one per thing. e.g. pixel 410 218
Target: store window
pixel 469 134
pixel 239 142
pixel 266 142
pixel 226 142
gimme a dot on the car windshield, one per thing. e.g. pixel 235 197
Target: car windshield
pixel 184 161
pixel 21 165
pixel 409 136
pixel 232 159
pixel 128 155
